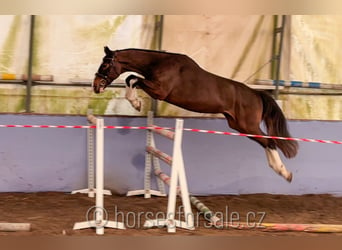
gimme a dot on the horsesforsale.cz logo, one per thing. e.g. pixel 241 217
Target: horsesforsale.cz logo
pixel 97 217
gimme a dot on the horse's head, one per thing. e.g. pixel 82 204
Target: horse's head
pixel 108 71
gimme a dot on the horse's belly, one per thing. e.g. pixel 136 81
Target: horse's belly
pixel 201 106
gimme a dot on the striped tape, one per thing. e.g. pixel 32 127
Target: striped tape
pixel 185 129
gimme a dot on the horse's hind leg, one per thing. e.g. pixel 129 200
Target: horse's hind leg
pixel 275 162
pixel 269 145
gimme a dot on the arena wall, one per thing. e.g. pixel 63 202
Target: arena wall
pixel 55 159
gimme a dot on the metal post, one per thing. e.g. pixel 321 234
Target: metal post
pixel 159 37
pixel 276 51
pixel 29 70
pixel 274 47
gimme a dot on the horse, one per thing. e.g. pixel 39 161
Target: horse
pixel 179 80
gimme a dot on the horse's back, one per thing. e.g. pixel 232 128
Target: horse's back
pixel 192 87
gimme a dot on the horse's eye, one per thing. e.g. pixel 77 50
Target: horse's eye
pixel 105 66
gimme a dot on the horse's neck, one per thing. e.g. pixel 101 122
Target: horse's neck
pixel 137 61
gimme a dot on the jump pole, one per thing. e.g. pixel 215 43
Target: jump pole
pixel 14 227
pixel 100 215
pixel 299 84
pixel 285 227
pixel 207 213
pixel 10 76
pixel 91 160
pixel 310 228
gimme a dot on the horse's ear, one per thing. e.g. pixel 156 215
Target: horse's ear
pixel 107 50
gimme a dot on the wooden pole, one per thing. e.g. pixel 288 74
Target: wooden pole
pixel 13 227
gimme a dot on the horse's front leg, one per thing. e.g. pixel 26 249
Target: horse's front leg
pixel 131 91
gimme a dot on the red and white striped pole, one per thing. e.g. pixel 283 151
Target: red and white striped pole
pixel 185 129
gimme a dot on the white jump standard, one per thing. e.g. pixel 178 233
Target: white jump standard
pixel 100 216
pixel 177 176
pixel 91 168
pixel 153 155
pixel 152 160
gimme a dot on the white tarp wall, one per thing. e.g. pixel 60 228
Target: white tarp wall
pixel 14 44
pixel 237 46
pixel 71 48
pixel 315 55
pixel 231 46
pixel 315 48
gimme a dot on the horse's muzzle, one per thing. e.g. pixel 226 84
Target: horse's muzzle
pixel 99 85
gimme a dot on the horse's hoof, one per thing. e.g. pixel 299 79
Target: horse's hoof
pixel 138 108
pixel 132 81
pixel 136 104
pixel 289 178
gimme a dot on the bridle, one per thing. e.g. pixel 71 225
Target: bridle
pixel 104 76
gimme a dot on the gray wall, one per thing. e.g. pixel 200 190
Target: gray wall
pixel 49 159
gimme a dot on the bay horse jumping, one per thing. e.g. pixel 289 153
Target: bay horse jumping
pixel 179 80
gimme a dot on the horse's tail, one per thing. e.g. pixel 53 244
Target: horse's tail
pixel 277 126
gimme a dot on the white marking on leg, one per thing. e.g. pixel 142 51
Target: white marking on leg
pixel 131 95
pixel 276 164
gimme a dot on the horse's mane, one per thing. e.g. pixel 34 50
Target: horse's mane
pixel 161 53
pixel 151 51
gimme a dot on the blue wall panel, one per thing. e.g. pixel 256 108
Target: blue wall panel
pixel 52 159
